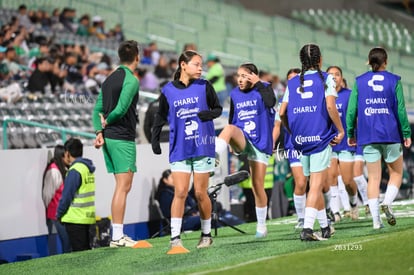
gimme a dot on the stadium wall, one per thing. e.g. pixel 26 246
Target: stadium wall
pixel 23 228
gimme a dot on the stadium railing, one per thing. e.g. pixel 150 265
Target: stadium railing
pixel 63 131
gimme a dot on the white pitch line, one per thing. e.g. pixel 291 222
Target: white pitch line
pixel 331 248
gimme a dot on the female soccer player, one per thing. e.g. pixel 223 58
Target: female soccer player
pixel 377 109
pixel 342 162
pixel 249 131
pixel 189 104
pixel 309 112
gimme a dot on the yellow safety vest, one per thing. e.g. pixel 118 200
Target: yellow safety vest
pixel 269 177
pixel 82 208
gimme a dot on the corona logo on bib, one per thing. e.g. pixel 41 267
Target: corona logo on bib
pixel 306 139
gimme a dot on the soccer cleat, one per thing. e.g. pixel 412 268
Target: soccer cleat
pixel 326 232
pixel 299 225
pixel 367 211
pixel 347 214
pixel 308 235
pixel 354 213
pixel 388 213
pixel 330 215
pixel 260 235
pixel 176 247
pixel 337 217
pixel 125 241
pixel 205 241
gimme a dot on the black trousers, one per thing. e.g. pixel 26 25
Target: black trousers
pixel 79 236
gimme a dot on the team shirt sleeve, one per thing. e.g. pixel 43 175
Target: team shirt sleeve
pixel 351 113
pixel 98 109
pixel 402 113
pixel 129 90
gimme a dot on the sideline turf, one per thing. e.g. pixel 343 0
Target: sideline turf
pixel 285 252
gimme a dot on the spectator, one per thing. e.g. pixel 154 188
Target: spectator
pixel 151 55
pixel 77 206
pixel 10 61
pixel 66 19
pixel 52 188
pixel 39 79
pixel 24 18
pixel 90 81
pixel 4 69
pixel 190 47
pixel 165 196
pixel 148 81
pixel 54 20
pixel 98 28
pixel 216 76
pixel 83 28
pixel 118 33
pixel 162 70
pixel 71 65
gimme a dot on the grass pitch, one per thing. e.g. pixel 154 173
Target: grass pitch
pixel 354 249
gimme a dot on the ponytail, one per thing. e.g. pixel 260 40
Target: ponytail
pixel 177 73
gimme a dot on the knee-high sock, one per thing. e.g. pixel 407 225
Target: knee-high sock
pixel 206 226
pixel 310 216
pixel 334 199
pixel 300 202
pixel 117 231
pixel 343 194
pixel 374 208
pixel 322 218
pixel 390 194
pixel 362 188
pixel 261 213
pixel 176 227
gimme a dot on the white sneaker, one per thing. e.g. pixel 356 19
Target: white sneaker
pixel 354 213
pixel 125 241
pixel 205 242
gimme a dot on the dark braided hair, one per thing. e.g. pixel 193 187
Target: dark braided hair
pixel 310 57
pixel 184 57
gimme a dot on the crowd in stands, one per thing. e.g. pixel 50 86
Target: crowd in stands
pixel 32 63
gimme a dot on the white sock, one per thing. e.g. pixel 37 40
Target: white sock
pixel 206 226
pixel 310 216
pixel 343 195
pixel 261 213
pixel 327 196
pixel 362 188
pixel 176 227
pixel 300 202
pixel 390 194
pixel 221 145
pixel 334 199
pixel 353 199
pixel 374 208
pixel 117 231
pixel 322 218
